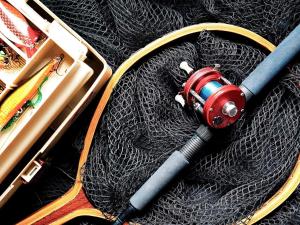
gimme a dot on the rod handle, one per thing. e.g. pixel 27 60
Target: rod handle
pixel 272 65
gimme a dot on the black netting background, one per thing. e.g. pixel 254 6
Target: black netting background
pixel 142 125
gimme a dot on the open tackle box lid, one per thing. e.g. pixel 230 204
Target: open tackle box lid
pixel 85 72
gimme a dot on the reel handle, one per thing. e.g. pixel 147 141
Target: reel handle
pixel 271 66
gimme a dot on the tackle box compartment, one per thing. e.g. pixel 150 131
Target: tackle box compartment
pixel 65 94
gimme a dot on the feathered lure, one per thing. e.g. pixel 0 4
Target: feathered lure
pixel 22 97
pixel 3 58
pixel 9 59
pixel 15 27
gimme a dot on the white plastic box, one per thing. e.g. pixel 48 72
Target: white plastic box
pixel 81 75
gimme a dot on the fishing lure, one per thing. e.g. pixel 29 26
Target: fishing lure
pixel 9 59
pixel 4 57
pixel 16 28
pixel 4 61
pixel 22 97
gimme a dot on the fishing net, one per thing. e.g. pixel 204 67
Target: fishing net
pixel 289 213
pixel 143 125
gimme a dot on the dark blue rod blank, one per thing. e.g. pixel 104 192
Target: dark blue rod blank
pixel 271 66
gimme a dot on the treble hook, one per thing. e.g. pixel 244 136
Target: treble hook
pixel 59 61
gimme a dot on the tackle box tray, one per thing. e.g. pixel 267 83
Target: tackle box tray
pixel 65 94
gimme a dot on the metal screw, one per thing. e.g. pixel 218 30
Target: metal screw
pixel 230 109
pixel 197 107
pixel 217 66
pixel 196 96
pixel 217 120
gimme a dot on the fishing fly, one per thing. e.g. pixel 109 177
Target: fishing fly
pixel 23 97
pixel 4 60
pixel 9 59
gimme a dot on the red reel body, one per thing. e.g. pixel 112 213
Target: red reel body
pixel 208 92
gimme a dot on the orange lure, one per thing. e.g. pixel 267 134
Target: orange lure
pixel 26 92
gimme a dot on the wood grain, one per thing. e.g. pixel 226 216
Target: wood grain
pixel 79 202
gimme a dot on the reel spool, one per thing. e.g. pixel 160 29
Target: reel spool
pixel 209 93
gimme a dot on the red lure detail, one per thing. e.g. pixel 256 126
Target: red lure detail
pixel 30 40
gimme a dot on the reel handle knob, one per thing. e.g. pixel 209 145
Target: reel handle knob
pixel 185 66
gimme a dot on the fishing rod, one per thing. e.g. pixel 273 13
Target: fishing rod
pixel 221 104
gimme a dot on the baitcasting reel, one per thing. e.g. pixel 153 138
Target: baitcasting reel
pixel 209 93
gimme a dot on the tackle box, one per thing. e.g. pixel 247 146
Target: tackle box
pixel 65 94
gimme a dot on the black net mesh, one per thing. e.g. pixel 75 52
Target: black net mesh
pixel 57 177
pixel 289 212
pixel 142 125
